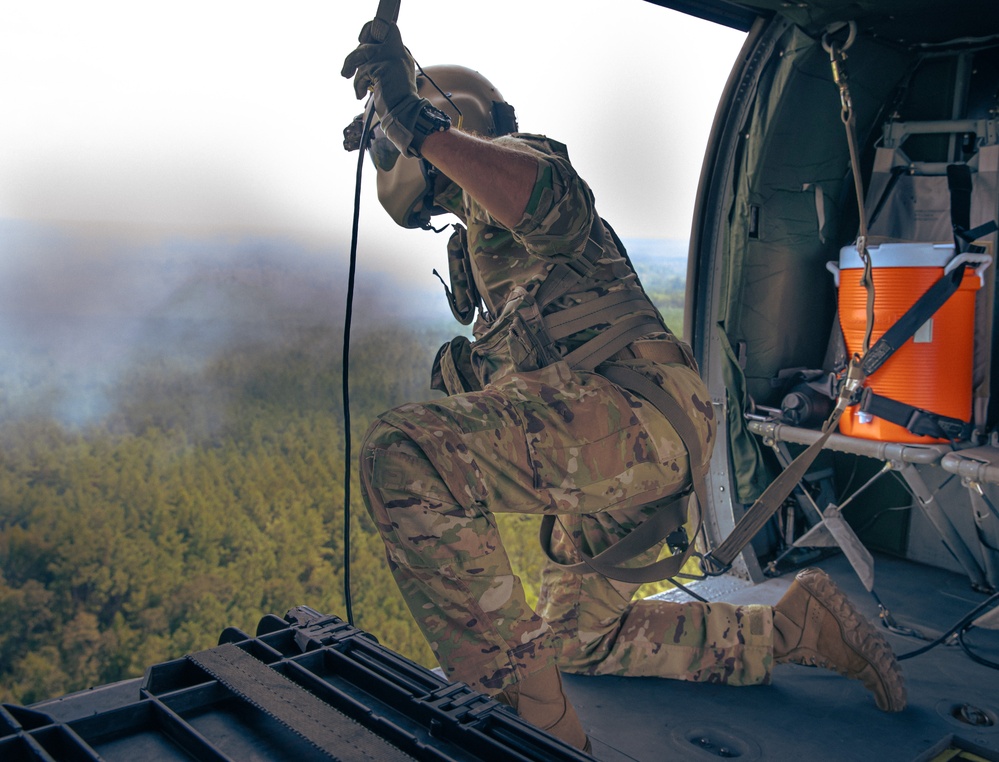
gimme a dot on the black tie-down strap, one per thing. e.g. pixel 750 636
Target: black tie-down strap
pixel 664 521
pixel 325 727
pixel 906 326
pixel 927 305
pixel 917 420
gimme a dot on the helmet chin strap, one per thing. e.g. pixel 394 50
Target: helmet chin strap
pixel 432 174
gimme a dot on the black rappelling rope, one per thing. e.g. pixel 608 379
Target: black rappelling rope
pixel 345 370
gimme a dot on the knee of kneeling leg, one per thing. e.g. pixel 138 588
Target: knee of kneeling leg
pixel 379 436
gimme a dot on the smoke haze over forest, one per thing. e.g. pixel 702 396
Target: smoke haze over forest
pixel 82 305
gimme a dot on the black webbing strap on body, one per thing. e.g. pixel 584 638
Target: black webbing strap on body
pixel 323 726
pixel 652 530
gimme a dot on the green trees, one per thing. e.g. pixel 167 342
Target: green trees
pixel 207 495
pixel 211 496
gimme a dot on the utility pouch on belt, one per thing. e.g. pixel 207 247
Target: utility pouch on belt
pixel 516 341
pixel 452 370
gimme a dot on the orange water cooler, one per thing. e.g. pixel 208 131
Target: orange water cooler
pixel 932 370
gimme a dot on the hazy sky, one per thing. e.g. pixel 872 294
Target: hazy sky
pixel 220 114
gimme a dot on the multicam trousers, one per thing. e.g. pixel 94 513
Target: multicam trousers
pixel 548 441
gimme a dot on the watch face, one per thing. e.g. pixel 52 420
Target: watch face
pixel 437 118
pixel 435 113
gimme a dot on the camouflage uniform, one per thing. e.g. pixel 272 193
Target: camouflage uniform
pixel 545 440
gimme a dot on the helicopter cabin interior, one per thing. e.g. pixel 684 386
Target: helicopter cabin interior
pixel 787 307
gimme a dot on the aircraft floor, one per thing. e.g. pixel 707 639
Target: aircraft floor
pixel 808 713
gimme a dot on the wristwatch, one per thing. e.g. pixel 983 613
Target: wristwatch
pixel 430 119
pixel 408 126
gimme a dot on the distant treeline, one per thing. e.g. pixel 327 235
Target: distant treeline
pixel 208 494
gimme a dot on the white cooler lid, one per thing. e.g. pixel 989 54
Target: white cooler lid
pixel 899 255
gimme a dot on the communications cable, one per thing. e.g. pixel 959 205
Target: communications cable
pixel 961 627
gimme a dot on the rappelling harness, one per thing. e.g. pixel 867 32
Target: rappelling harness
pixel 621 318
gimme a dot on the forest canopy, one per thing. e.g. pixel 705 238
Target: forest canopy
pixel 200 486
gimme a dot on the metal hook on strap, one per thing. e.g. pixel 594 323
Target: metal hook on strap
pixel 711 566
pixel 837 57
pixel 827 42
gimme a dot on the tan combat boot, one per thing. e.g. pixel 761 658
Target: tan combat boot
pixel 540 700
pixel 815 624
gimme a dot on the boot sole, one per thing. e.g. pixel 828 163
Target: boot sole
pixel 862 638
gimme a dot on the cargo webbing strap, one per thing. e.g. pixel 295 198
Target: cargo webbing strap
pixel 959 186
pixel 326 728
pixel 652 530
pixel 773 496
pixel 906 326
pixel 923 422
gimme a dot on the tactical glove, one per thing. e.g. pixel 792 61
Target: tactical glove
pixel 389 71
pixel 386 68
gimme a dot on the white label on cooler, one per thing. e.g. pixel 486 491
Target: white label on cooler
pixel 925 333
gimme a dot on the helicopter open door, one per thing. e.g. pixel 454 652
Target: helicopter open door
pixel 776 203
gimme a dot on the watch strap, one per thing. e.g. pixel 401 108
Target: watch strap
pixel 408 126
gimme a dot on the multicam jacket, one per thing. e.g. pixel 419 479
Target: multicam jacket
pixel 502 272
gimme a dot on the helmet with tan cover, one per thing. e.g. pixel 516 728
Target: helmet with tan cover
pixel 406 185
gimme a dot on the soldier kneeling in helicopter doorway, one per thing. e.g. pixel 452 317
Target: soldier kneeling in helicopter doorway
pixel 534 424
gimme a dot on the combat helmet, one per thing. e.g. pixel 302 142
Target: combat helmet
pixel 405 184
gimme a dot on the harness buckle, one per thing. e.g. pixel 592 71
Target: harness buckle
pixel 677 540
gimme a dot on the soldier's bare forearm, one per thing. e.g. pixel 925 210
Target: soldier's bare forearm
pixel 499 178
